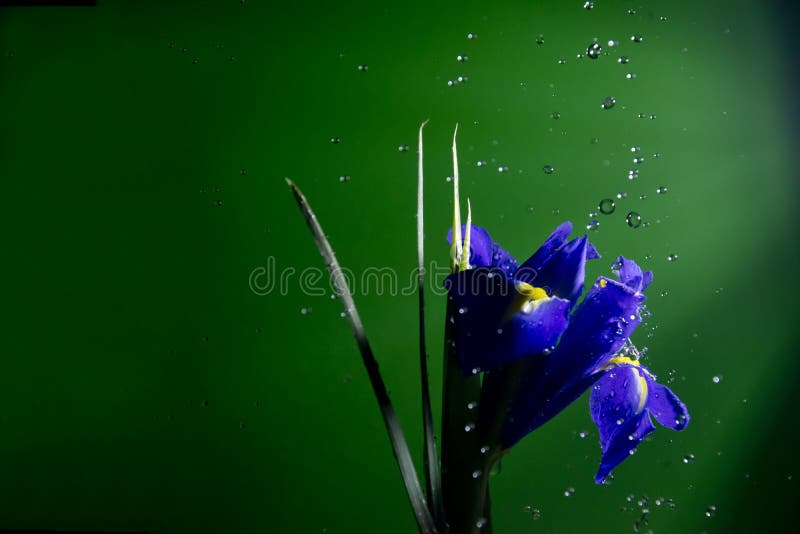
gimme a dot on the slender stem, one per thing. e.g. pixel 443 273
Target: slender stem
pixel 396 436
pixel 433 478
pixel 465 469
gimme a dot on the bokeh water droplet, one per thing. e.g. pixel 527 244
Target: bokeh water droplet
pixel 402 148
pixel 472 36
pixel 363 68
pixel 593 50
pixel 662 189
pixel 672 257
pixel 688 459
pixel 569 492
pixel 344 178
pixel 608 102
pixel 502 168
pixel 461 58
pixel 623 59
pixel 716 379
pixel 592 225
pixel 636 38
pixel 633 219
pixel 540 40
pixel 588 5
pixel 555 115
pixel 549 169
pixel 711 511
pixel 607 206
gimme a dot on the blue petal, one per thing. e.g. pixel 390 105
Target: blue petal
pixel 563 272
pixel 555 241
pixel 630 274
pixel 484 252
pixel 598 329
pixel 616 398
pixel 485 337
pixel 666 407
pixel 623 443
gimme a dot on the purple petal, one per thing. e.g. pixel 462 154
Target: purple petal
pixel 597 330
pixel 622 444
pixel 485 336
pixel 484 252
pixel 555 241
pixel 617 397
pixel 630 274
pixel 666 407
pixel 563 272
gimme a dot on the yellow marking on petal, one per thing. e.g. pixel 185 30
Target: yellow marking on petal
pixel 455 248
pixel 603 282
pixel 620 360
pixel 528 298
pixel 464 264
pixel 642 393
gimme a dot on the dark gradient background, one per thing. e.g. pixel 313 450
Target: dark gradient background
pixel 144 386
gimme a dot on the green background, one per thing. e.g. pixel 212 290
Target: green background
pixel 144 386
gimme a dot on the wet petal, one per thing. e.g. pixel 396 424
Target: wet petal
pixel 486 336
pixel 622 444
pixel 666 407
pixel 562 272
pixel 630 274
pixel 617 397
pixel 484 252
pixel 555 241
pixel 597 330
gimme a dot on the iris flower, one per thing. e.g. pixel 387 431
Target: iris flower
pixel 541 349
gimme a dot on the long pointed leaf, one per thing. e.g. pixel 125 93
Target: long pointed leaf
pixel 396 436
pixel 433 477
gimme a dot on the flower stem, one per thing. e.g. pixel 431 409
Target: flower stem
pixel 465 466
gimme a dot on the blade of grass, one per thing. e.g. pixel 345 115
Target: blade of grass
pixel 396 436
pixel 433 477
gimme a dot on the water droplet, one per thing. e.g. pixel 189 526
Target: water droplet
pixel 633 174
pixel 462 311
pixel 195 61
pixel 636 38
pixel 594 140
pixel 540 40
pixel 218 203
pixel 476 474
pixel 631 11
pixel 633 219
pixel 688 459
pixel 335 140
pixel 481 164
pixel 661 189
pixel 363 68
pixel 593 50
pixel 672 257
pixel 555 115
pixel 502 168
pixel 402 148
pixel 480 523
pixel 630 76
pixel 549 169
pixel 608 102
pixel 569 492
pixel 582 434
pixel 461 79
pixel 588 5
pixel 451 83
pixel 711 511
pixel 535 512
pixel 344 178
pixel 623 59
pixel 562 61
pixel 607 206
pixel 716 379
pixel 462 58
pixel 662 18
pixel 612 42
pixel 472 36
pixel 472 405
pixel 638 160
pixel 592 225
pixel 636 149
pixel 469 427
pixel 305 310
